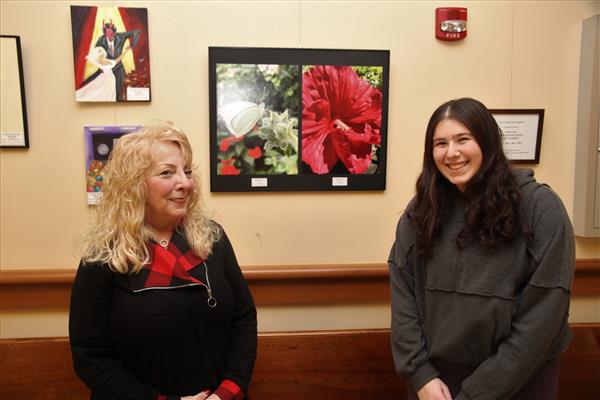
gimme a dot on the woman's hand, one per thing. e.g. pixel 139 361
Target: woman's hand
pixel 202 396
pixel 199 396
pixel 435 389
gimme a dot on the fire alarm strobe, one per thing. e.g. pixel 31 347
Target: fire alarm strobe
pixel 451 23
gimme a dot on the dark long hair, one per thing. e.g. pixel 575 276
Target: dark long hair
pixel 492 194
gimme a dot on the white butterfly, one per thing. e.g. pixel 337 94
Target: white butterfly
pixel 241 116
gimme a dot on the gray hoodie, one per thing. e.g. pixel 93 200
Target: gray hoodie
pixel 501 313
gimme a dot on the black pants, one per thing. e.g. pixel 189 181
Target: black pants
pixel 542 386
pixel 119 72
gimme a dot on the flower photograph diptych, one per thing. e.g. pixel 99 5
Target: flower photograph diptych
pixel 259 107
pixel 298 119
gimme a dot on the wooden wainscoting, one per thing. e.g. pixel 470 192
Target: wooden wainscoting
pixel 38 369
pixel 328 365
pixel 325 365
pixel 40 289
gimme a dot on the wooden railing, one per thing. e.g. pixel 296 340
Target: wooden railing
pixel 280 285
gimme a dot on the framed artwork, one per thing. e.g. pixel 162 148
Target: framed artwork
pixel 99 142
pixel 13 107
pixel 521 134
pixel 111 54
pixel 297 119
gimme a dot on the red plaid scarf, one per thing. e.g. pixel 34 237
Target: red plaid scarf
pixel 169 267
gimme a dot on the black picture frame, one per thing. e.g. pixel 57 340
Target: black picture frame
pixel 370 174
pixel 14 132
pixel 521 133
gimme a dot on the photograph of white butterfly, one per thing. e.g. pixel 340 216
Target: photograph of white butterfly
pixel 257 124
pixel 297 119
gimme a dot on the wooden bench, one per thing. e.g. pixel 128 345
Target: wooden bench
pixel 326 365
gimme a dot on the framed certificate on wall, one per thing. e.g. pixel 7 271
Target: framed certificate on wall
pixel 521 134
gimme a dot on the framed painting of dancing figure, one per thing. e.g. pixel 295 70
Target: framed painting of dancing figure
pixel 111 54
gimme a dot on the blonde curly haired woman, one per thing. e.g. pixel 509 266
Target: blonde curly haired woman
pixel 130 337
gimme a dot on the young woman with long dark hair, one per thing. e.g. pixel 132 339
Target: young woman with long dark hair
pixel 481 269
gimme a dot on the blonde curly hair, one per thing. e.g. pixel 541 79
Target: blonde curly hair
pixel 119 234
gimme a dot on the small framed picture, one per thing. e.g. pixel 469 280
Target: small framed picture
pixel 521 133
pixel 99 143
pixel 13 108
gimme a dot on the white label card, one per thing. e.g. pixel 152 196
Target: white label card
pixel 138 94
pixel 93 198
pixel 259 182
pixel 12 139
pixel 519 135
pixel 339 181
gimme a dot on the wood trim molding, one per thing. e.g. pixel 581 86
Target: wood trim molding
pixel 587 264
pixel 35 289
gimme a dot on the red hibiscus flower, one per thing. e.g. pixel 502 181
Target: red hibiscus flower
pixel 255 152
pixel 228 141
pixel 341 119
pixel 227 167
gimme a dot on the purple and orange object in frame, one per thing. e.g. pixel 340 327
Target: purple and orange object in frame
pixel 99 143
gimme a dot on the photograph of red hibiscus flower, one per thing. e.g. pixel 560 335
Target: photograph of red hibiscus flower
pixel 341 119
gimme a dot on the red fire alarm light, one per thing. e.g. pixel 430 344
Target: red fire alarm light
pixel 451 23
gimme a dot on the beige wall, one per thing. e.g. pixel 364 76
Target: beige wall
pixel 519 54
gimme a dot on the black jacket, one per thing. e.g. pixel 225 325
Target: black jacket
pixel 168 341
